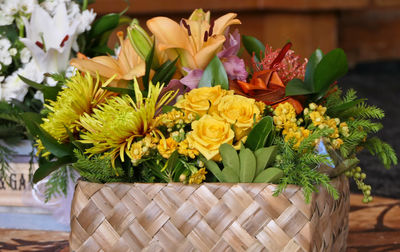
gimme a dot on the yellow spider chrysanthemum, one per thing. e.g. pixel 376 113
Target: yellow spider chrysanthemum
pixel 81 94
pixel 114 125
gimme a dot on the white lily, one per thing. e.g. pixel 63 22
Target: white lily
pixel 50 39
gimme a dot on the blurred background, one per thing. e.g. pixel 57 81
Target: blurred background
pixel 367 30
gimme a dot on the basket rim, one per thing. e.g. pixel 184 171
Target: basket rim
pixel 293 186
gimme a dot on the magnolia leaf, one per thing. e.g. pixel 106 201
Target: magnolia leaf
pixel 259 134
pixel 229 157
pixel 253 45
pixel 248 165
pixel 270 175
pixel 265 157
pixel 332 66
pixel 47 167
pixel 214 74
pixel 214 168
pixel 312 63
pixel 297 87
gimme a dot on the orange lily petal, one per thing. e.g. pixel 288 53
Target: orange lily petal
pixel 169 34
pixel 105 65
pixel 223 22
pixel 209 50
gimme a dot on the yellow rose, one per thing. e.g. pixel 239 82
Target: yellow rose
pixel 208 134
pixel 239 111
pixel 201 100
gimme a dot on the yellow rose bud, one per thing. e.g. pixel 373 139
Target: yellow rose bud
pixel 202 100
pixel 208 134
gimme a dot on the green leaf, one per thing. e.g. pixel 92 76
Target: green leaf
pixel 259 134
pixel 165 72
pixel 49 142
pixel 49 93
pixel 100 50
pixel 265 157
pixel 332 66
pixel 104 24
pixel 230 157
pixel 214 74
pixel 10 31
pixel 47 167
pixel 248 165
pixel 128 91
pixel 167 108
pixel 149 60
pixel 312 63
pixel 253 45
pixel 345 106
pixel 214 168
pixel 52 145
pixel 270 175
pixel 229 176
pixel 297 87
pixel 31 120
pixel 172 161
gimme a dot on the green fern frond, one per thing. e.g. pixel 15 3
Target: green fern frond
pixel 365 111
pixel 5 157
pixel 307 145
pixel 97 168
pixel 300 168
pixel 364 125
pixel 383 151
pixel 57 183
pixel 351 95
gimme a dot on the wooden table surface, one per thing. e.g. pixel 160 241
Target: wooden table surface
pixel 373 227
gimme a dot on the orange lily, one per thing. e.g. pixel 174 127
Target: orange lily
pixel 128 65
pixel 195 41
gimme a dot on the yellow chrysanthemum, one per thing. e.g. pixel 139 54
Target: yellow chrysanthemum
pixel 185 149
pixel 198 177
pixel 115 125
pixel 167 146
pixel 81 94
pixel 283 114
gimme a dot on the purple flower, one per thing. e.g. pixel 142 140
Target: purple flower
pixel 231 45
pixel 187 83
pixel 192 79
pixel 235 68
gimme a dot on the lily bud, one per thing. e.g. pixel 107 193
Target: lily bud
pixel 200 15
pixel 141 42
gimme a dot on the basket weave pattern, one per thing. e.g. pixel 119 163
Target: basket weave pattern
pixel 207 217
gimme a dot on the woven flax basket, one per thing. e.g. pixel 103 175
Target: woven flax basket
pixel 206 217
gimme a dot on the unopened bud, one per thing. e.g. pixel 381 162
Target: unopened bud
pixel 141 42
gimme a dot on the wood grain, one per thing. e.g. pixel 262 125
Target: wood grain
pixel 174 6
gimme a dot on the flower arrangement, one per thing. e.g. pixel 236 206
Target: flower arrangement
pixel 182 106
